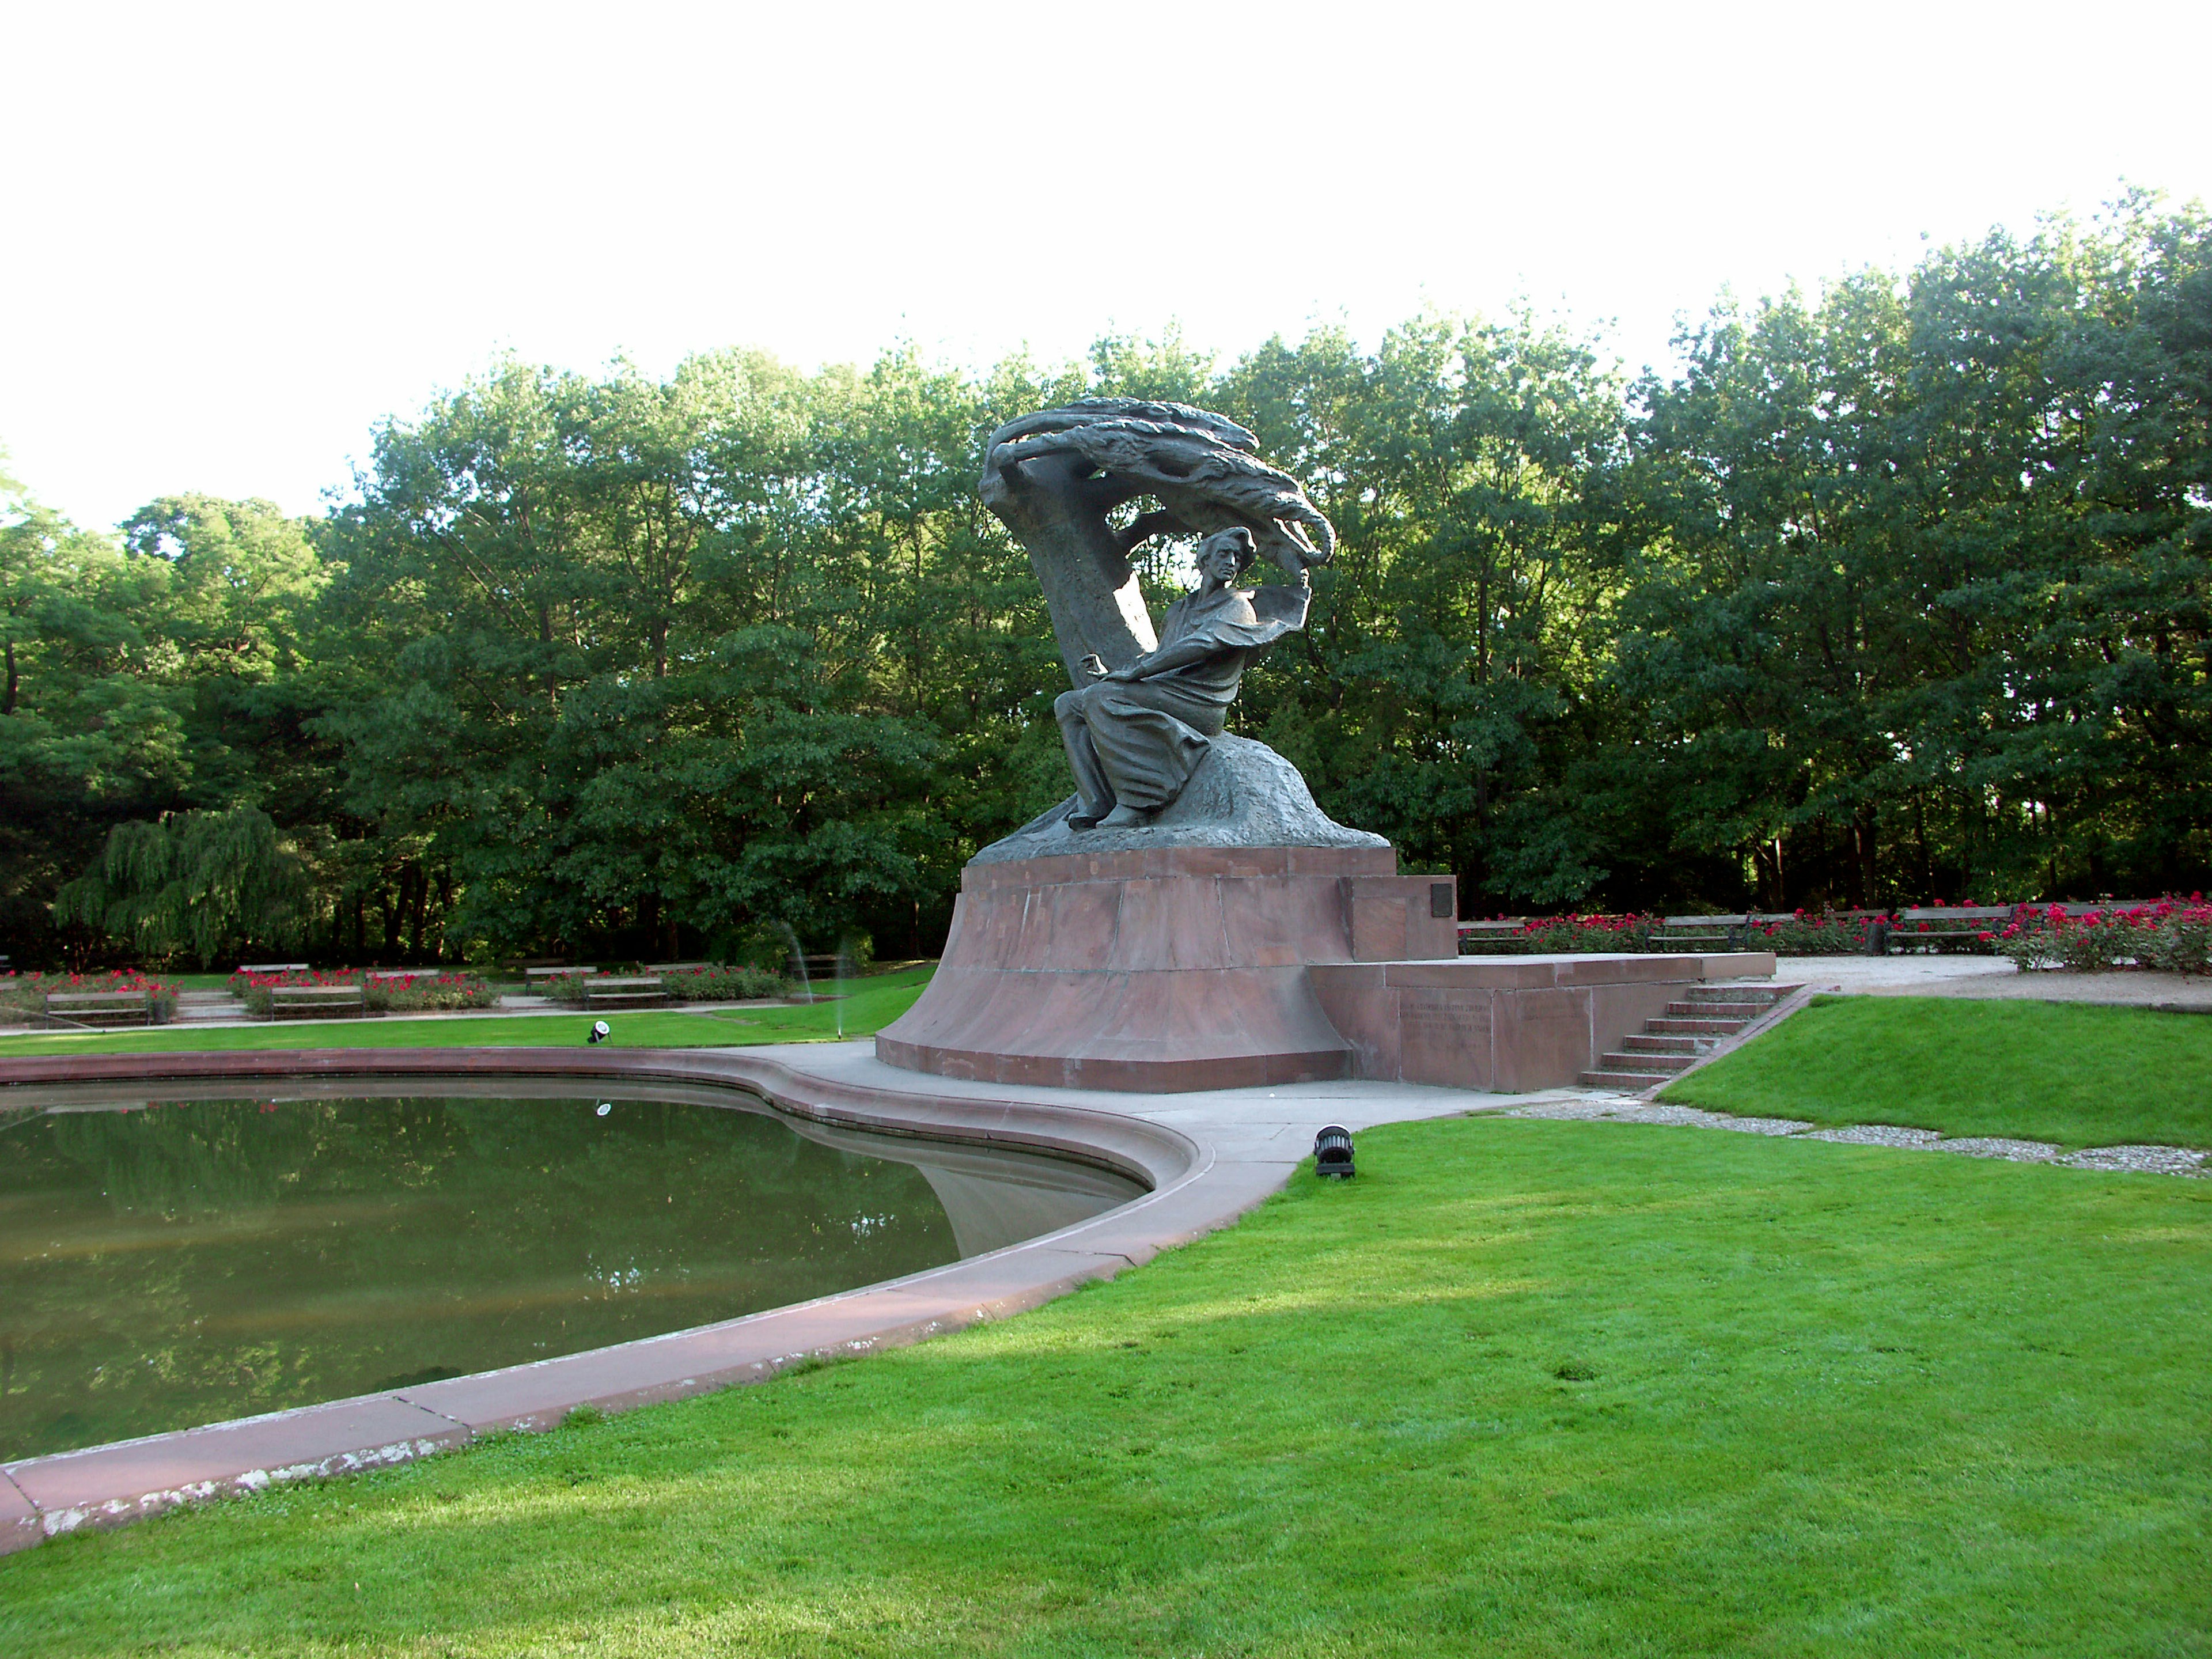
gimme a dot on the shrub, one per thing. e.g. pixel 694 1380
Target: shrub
pixel 723 982
pixel 2172 936
pixel 1812 934
pixel 717 981
pixel 23 996
pixel 1544 936
pixel 430 990
pixel 252 989
pixel 424 990
pixel 1807 934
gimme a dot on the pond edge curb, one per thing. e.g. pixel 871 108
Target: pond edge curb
pixel 1192 1191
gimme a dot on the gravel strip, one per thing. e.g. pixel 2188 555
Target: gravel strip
pixel 1626 1109
pixel 2145 1160
pixel 1879 1134
pixel 1678 1117
pixel 2013 1151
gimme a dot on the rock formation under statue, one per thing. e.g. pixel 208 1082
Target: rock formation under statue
pixel 1190 918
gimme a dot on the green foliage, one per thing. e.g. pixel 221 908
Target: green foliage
pixel 715 982
pixel 1522 1388
pixel 1893 593
pixel 197 883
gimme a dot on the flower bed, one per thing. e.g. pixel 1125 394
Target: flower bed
pixel 1806 933
pixel 2173 936
pixel 432 989
pixel 1544 936
pixel 426 990
pixel 22 996
pixel 715 982
pixel 1812 934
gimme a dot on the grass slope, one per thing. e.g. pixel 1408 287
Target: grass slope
pixel 2079 1075
pixel 1522 1388
pixel 871 1003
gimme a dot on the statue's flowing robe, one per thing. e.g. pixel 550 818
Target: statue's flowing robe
pixel 1150 734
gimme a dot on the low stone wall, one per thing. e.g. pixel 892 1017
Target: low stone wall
pixel 1509 1024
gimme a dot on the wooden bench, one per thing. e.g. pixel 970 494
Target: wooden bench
pixel 1927 924
pixel 1474 935
pixel 602 991
pixel 272 968
pixel 314 1000
pixel 1728 932
pixel 87 1008
pixel 533 978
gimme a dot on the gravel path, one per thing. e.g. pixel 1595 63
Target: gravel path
pixel 1620 1109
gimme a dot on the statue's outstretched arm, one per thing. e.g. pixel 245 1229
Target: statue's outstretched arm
pixel 1168 658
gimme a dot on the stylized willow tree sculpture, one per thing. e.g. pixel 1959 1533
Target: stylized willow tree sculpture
pixel 1056 477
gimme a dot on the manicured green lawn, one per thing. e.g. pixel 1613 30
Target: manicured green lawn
pixel 2068 1072
pixel 872 1002
pixel 1523 1388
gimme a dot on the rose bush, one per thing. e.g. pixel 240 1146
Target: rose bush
pixel 425 990
pixel 23 996
pixel 715 981
pixel 2173 936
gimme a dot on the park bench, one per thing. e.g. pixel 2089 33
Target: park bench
pixel 92 1007
pixel 541 979
pixel 316 1000
pixel 1475 935
pixel 1727 931
pixel 1928 923
pixel 604 991
pixel 272 967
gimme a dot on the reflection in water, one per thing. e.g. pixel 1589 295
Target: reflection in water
pixel 187 1261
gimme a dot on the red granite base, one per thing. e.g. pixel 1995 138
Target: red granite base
pixel 1158 971
pixel 1194 968
pixel 1507 1024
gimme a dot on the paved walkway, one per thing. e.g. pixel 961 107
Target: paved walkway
pixel 1994 977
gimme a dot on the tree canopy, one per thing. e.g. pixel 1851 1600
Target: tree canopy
pixel 1893 592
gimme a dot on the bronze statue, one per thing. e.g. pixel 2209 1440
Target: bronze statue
pixel 1144 714
pixel 1134 735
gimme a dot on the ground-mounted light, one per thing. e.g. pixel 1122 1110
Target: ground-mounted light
pixel 1333 1153
pixel 600 1031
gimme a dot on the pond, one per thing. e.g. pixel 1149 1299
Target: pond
pixel 170 1262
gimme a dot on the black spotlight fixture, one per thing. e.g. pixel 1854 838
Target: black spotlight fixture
pixel 1333 1153
pixel 600 1031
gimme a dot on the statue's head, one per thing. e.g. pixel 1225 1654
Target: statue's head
pixel 1226 554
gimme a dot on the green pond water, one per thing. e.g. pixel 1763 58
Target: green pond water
pixel 185 1262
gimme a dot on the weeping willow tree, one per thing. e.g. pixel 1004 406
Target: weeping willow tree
pixel 197 883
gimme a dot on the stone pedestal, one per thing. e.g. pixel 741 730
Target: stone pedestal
pixel 1178 968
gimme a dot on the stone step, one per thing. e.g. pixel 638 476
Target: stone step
pixel 1667 1042
pixel 1769 994
pixel 1687 1026
pixel 1742 1012
pixel 1647 1062
pixel 1622 1079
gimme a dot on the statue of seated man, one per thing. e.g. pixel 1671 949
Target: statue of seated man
pixel 1136 734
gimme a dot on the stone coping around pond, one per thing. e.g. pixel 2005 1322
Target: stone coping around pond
pixel 1195 1189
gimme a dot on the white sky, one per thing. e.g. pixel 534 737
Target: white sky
pixel 238 236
